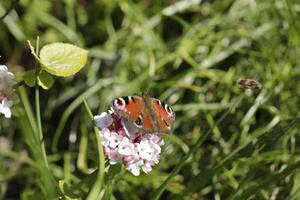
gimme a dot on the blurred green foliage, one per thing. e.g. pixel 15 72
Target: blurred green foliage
pixel 189 53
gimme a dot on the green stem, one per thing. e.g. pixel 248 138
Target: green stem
pixel 39 123
pixel 37 109
pixel 96 189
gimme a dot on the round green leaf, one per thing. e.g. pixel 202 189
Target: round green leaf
pixel 62 59
pixel 29 77
pixel 45 80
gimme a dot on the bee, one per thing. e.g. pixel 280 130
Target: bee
pixel 249 84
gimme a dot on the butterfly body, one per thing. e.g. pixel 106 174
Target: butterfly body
pixel 146 113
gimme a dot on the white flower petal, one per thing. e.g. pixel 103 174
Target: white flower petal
pixel 105 135
pixel 103 120
pixel 144 149
pixel 134 168
pixel 126 147
pixel 155 139
pixel 5 108
pixel 6 112
pixel 113 156
pixel 147 167
pixel 114 140
pixel 7 94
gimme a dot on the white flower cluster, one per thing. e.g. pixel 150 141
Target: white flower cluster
pixel 124 143
pixel 7 93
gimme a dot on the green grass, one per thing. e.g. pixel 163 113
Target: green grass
pixel 225 144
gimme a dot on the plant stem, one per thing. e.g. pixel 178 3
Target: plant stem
pixel 37 109
pixel 39 123
pixel 96 189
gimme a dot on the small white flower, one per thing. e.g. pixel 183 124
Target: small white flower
pixel 113 156
pixel 145 149
pixel 5 108
pixel 114 140
pixel 6 78
pixel 5 73
pixel 7 93
pixel 126 147
pixel 103 120
pixel 134 168
pixel 105 135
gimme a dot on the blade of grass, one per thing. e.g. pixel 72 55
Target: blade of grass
pixel 60 26
pixel 158 192
pixel 268 182
pixel 12 26
pixel 82 152
pixel 16 156
pixel 292 17
pixel 14 3
pixel 71 108
pixel 71 19
pixel 199 182
pixel 28 110
pixel 45 180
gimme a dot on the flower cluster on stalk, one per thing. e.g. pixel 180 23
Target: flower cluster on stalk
pixel 124 143
pixel 7 93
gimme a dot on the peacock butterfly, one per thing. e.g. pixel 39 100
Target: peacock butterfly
pixel 146 113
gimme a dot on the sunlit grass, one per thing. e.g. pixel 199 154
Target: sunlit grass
pixel 187 53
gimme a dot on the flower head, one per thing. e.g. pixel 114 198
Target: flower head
pixel 126 144
pixel 7 93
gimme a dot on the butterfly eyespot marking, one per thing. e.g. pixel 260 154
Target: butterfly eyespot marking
pixel 139 122
pixel 158 102
pixel 122 102
pixel 119 104
pixel 169 109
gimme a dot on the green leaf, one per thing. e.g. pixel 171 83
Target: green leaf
pixel 114 170
pixel 64 188
pixel 45 80
pixel 29 78
pixel 62 59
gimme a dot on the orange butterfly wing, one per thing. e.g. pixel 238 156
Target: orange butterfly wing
pixel 164 114
pixel 148 124
pixel 129 106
